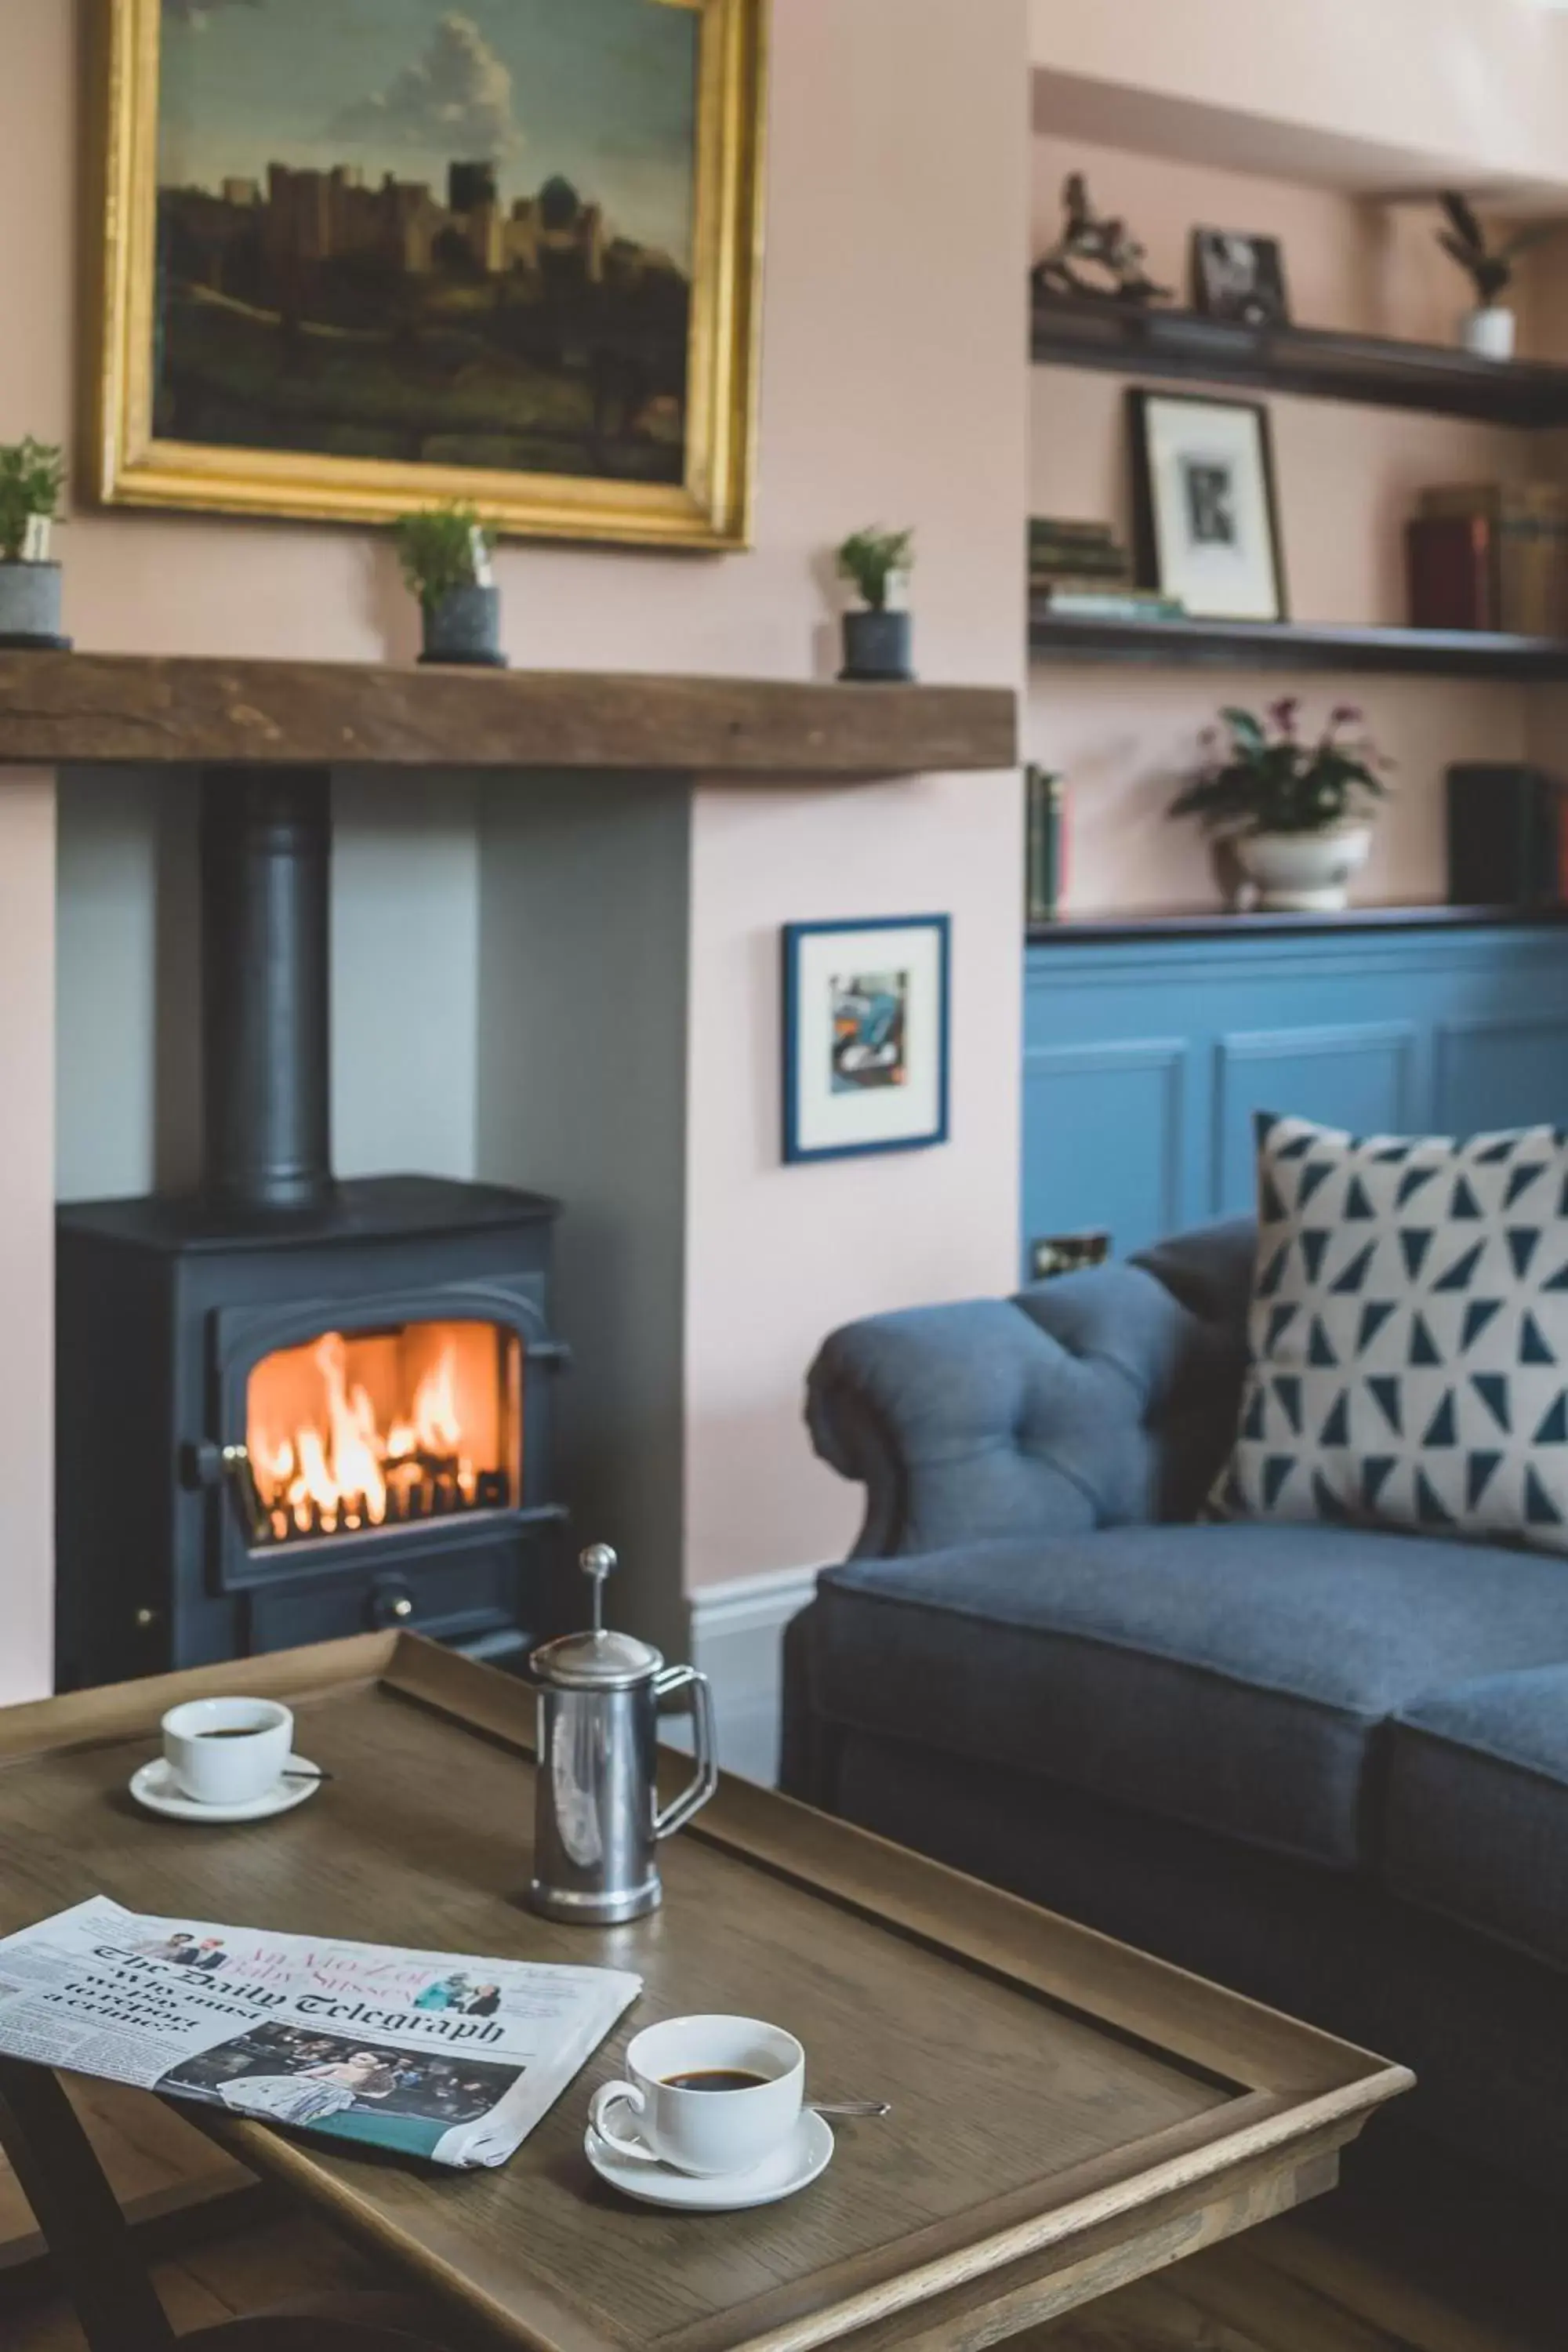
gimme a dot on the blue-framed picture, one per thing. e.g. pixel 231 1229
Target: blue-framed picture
pixel 866 1030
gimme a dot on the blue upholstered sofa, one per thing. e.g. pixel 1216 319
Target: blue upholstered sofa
pixel 1328 1767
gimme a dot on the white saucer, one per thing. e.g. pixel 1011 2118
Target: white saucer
pixel 155 1787
pixel 807 2152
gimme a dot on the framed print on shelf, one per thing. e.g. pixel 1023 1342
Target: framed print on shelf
pixel 865 1028
pixel 1236 276
pixel 1208 514
pixel 361 256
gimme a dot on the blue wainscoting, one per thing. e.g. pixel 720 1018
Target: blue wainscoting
pixel 1147 1052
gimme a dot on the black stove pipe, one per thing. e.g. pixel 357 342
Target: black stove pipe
pixel 265 862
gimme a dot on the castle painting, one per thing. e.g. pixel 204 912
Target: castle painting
pixel 375 252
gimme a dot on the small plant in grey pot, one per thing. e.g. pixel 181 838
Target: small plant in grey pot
pixel 32 480
pixel 877 637
pixel 445 553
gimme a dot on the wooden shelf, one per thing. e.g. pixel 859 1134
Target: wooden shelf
pixel 1268 646
pixel 1218 922
pixel 1180 346
pixel 122 708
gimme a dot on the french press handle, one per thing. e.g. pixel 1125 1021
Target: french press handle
pixel 705 1745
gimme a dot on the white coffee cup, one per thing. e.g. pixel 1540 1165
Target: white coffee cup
pixel 226 1751
pixel 710 2130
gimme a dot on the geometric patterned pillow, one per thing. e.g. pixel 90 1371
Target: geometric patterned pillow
pixel 1408 1336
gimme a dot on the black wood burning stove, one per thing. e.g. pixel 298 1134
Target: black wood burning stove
pixel 290 1408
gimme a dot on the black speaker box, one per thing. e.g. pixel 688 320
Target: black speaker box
pixel 1506 837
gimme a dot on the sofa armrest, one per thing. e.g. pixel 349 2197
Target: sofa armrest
pixel 1101 1400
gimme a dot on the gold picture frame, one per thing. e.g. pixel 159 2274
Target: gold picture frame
pixel 709 508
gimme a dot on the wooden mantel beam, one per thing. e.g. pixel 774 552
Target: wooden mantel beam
pixel 136 711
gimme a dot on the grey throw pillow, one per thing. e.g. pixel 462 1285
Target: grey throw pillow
pixel 1408 1338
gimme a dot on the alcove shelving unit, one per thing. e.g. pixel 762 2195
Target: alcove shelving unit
pixel 1346 923
pixel 1299 646
pixel 1183 346
pixel 1153 1033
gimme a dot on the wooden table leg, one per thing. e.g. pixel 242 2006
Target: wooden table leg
pixel 79 2215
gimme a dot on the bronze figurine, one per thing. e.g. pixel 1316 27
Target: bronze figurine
pixel 1095 256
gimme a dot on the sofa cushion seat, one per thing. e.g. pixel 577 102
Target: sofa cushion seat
pixel 1234 1677
pixel 1476 1815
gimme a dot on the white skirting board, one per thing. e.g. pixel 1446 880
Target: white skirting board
pixel 736 1639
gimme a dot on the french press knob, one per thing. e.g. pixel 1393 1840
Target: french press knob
pixel 597 1820
pixel 598 1563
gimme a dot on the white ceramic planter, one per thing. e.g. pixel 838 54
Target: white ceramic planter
pixel 1489 334
pixel 1303 873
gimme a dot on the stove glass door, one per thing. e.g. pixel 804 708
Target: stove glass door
pixel 362 1431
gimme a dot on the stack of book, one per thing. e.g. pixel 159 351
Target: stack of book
pixel 1082 571
pixel 1493 555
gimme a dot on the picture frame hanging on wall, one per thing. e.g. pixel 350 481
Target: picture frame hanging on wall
pixel 1205 505
pixel 866 1018
pixel 364 256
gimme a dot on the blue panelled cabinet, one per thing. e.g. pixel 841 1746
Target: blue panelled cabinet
pixel 1148 1050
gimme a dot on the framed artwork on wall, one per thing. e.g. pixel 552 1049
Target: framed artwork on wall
pixel 1207 509
pixel 362 256
pixel 866 1030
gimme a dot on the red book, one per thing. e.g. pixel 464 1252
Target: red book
pixel 1453 575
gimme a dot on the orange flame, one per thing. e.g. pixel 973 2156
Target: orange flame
pixel 327 1462
pixel 434 1426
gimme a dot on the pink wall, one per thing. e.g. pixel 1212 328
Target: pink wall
pixel 777 1256
pixel 893 388
pixel 27 1225
pixel 1348 478
pixel 153 584
pixel 1480 87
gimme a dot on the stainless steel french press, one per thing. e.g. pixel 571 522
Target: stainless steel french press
pixel 596 1819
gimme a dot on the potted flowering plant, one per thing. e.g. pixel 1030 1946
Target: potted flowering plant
pixel 32 480
pixel 1293 808
pixel 878 637
pixel 445 553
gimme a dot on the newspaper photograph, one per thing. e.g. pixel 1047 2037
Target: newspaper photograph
pixel 436 2054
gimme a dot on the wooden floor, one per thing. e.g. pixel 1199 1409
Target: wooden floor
pixel 1417 2260
pixel 232 2276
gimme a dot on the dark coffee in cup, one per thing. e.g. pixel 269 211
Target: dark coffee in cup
pixel 760 2063
pixel 715 2078
pixel 227 1751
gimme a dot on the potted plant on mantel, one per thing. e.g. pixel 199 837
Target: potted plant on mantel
pixel 1491 330
pixel 32 479
pixel 877 637
pixel 445 553
pixel 1294 810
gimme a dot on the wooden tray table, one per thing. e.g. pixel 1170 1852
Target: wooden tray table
pixel 1069 2115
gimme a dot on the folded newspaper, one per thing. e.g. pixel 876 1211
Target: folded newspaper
pixel 434 2053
